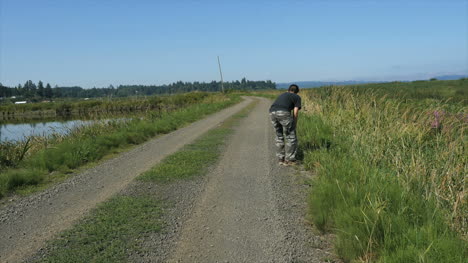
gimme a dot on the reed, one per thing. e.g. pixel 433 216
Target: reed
pixel 391 173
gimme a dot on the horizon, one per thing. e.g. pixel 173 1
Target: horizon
pixel 91 44
pixel 299 82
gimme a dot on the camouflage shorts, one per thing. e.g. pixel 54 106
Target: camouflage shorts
pixel 286 140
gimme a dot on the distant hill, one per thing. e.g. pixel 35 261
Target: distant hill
pixel 451 77
pixel 314 84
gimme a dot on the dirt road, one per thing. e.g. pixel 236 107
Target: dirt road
pixel 251 210
pixel 27 223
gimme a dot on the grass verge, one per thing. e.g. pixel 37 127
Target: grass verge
pixel 380 183
pixel 90 144
pixel 115 229
pixel 194 158
pixel 108 233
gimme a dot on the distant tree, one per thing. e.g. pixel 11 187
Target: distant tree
pixel 4 91
pixel 19 90
pixel 29 89
pixel 40 89
pixel 48 91
pixel 57 92
pixel 26 88
pixel 31 92
pixel 433 79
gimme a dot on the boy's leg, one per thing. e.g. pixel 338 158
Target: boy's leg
pixel 279 137
pixel 291 146
pixel 290 138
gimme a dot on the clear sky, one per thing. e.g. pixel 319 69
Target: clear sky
pixel 97 43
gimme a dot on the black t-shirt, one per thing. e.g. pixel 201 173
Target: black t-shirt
pixel 286 102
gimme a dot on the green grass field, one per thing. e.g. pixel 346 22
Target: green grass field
pixel 391 169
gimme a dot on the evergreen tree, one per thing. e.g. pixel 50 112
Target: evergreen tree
pixel 57 92
pixel 48 91
pixel 19 90
pixel 40 89
pixel 4 91
pixel 27 88
pixel 31 92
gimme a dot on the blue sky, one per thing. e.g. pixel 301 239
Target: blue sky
pixel 97 43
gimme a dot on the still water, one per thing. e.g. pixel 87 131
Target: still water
pixel 18 132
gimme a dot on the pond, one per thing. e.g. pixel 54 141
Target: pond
pixel 21 131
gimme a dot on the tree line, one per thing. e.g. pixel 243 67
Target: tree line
pixel 31 91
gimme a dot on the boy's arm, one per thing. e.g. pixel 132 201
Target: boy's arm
pixel 295 115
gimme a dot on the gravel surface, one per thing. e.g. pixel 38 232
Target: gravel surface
pixel 26 223
pixel 248 209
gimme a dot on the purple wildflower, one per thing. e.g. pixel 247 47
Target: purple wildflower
pixel 437 122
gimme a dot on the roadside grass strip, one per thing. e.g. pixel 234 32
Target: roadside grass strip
pixel 91 144
pixel 109 232
pixel 114 230
pixel 195 158
pixel 191 160
pixel 379 209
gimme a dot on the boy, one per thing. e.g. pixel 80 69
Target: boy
pixel 285 124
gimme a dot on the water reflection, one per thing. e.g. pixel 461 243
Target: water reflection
pixel 18 132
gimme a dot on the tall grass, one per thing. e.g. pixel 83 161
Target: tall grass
pixel 91 143
pixel 419 91
pixel 391 174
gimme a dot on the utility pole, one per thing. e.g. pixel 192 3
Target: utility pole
pixel 221 73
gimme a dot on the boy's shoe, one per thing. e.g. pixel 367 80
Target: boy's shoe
pixel 290 163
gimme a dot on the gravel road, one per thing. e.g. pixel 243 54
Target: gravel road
pixel 26 223
pixel 251 209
